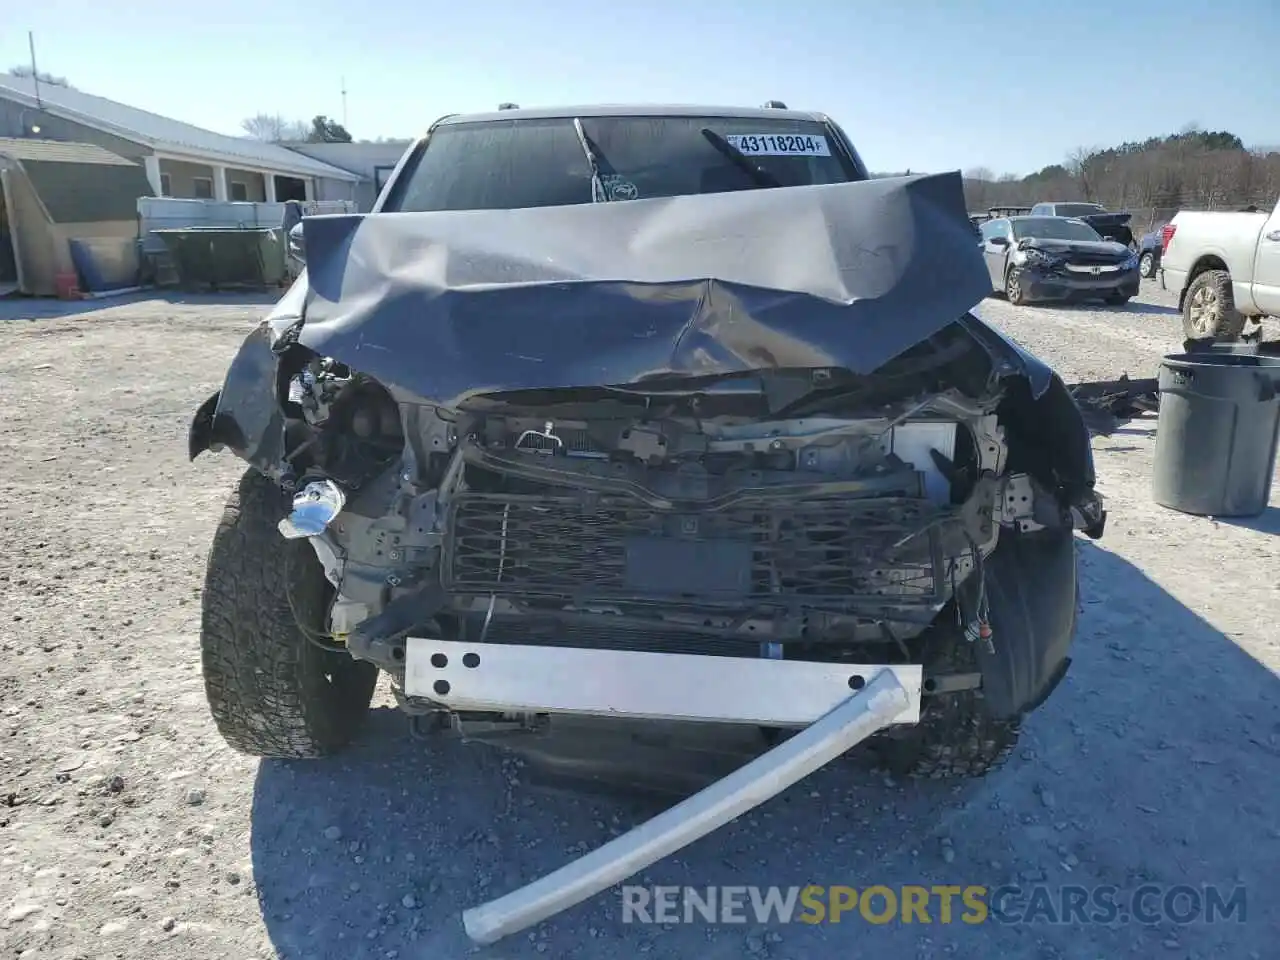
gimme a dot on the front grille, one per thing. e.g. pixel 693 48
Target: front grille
pixel 815 553
pixel 1086 260
pixel 1095 269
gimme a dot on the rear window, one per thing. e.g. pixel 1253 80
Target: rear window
pixel 1053 228
pixel 1078 209
pixel 508 164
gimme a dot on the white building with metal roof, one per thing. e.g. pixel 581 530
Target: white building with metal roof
pixel 181 160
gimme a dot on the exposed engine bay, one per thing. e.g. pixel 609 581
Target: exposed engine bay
pixel 683 442
pixel 686 520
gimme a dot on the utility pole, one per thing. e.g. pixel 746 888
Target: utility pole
pixel 35 74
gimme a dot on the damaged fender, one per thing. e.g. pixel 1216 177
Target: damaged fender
pixel 247 415
pixel 1033 597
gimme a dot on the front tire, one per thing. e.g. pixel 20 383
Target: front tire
pixel 271 690
pixel 1013 287
pixel 1147 265
pixel 956 736
pixel 1117 300
pixel 1209 308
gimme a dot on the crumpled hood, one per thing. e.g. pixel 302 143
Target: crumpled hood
pixel 1097 220
pixel 1061 247
pixel 450 304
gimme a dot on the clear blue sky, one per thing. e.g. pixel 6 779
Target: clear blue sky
pixel 926 85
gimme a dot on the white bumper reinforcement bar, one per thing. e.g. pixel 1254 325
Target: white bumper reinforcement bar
pixel 659 686
pixel 873 708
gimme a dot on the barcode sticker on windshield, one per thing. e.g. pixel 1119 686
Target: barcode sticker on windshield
pixel 780 144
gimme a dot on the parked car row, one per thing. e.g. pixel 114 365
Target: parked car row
pixel 1224 266
pixel 1045 258
pixel 1110 226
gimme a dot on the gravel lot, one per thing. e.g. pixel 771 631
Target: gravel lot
pixel 127 829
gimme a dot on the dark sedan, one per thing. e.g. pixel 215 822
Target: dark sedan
pixel 1036 259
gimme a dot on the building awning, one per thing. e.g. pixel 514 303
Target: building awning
pixel 81 193
pixel 79 182
pixel 59 151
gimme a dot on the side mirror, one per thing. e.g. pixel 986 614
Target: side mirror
pixel 297 247
pixel 999 241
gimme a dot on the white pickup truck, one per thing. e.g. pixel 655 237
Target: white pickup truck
pixel 1225 268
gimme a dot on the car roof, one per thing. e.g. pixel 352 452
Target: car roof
pixel 634 110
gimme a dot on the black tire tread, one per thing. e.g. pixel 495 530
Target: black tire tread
pixel 956 736
pixel 271 692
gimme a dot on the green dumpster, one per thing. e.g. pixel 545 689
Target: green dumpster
pixel 226 256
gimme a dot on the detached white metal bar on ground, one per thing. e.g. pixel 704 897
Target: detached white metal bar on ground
pixel 523 678
pixel 864 713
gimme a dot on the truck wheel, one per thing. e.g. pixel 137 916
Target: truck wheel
pixel 1209 308
pixel 956 736
pixel 272 690
pixel 1147 265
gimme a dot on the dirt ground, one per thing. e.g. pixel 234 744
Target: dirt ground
pixel 127 828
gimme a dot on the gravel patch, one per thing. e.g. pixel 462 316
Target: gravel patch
pixel 127 828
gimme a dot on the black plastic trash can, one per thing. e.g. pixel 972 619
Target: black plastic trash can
pixel 1216 435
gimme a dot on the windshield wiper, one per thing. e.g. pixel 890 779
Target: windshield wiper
pixel 593 161
pixel 759 176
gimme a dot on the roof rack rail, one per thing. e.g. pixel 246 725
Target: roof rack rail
pixel 774 105
pixel 508 106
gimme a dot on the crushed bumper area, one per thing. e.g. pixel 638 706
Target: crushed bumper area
pixel 657 686
pixel 1042 286
pixel 852 721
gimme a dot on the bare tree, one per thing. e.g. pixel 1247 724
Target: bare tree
pixel 1152 179
pixel 977 188
pixel 1078 163
pixel 273 128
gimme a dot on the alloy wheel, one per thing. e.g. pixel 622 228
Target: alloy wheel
pixel 1203 310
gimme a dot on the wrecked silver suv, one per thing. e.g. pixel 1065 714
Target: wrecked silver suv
pixel 610 419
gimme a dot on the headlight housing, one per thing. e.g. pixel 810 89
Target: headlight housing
pixel 1033 257
pixel 1130 263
